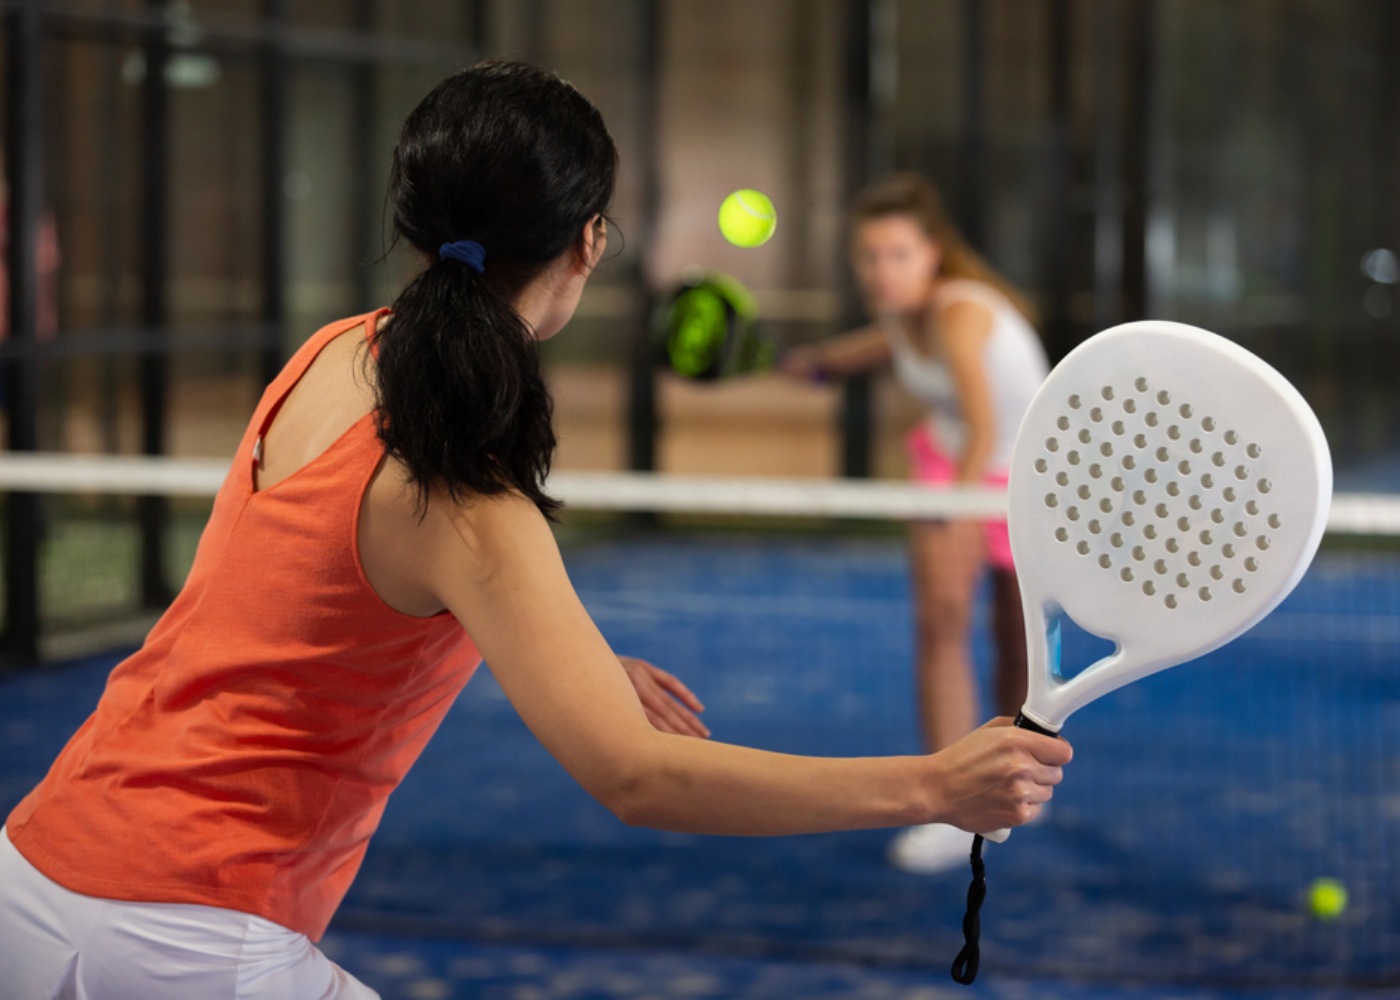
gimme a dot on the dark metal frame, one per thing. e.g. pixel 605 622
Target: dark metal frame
pixel 25 171
pixel 276 86
pixel 1138 121
pixel 1056 326
pixel 274 42
pixel 369 234
pixel 642 415
pixel 972 201
pixel 857 423
pixel 153 511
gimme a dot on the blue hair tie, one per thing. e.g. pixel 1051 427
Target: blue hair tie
pixel 469 252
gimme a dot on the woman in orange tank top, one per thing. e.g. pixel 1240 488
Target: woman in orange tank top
pixel 383 527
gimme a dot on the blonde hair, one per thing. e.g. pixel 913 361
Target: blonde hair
pixel 911 195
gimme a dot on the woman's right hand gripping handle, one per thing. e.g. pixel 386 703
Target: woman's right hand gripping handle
pixel 998 776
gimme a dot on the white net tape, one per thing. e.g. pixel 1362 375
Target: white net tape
pixel 1352 513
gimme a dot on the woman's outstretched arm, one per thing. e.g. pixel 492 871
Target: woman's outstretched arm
pixel 862 350
pixel 495 564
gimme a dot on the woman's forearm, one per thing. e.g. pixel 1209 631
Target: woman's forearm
pixel 996 776
pixel 717 788
pixel 853 353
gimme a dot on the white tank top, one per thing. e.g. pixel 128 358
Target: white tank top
pixel 1015 365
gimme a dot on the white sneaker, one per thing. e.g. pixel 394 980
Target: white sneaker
pixel 931 848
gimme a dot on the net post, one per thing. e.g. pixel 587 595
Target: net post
pixel 274 96
pixel 864 158
pixel 641 397
pixel 1057 253
pixel 1139 121
pixel 24 140
pixel 364 176
pixel 153 512
pixel 973 152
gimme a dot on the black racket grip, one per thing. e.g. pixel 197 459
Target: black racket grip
pixel 1024 723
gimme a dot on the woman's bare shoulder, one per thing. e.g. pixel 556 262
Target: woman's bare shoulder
pixel 415 545
pixel 958 316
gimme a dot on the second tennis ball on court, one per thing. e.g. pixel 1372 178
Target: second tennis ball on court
pixel 747 218
pixel 1327 898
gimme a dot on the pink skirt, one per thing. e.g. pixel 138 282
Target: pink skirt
pixel 929 463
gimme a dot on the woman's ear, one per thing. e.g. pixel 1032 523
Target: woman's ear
pixel 592 243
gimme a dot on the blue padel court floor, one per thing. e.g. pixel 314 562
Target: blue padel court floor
pixel 1176 860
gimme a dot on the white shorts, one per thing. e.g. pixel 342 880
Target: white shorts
pixel 56 944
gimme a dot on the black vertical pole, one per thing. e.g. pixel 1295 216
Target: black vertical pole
pixel 153 511
pixel 369 234
pixel 1059 242
pixel 1387 130
pixel 1140 105
pixel 1108 181
pixel 114 183
pixel 641 396
pixel 973 200
pixel 24 143
pixel 857 423
pixel 1385 134
pixel 1387 162
pixel 273 114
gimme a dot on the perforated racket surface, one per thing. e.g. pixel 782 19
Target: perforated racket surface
pixel 1167 490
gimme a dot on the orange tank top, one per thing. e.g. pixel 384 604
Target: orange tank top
pixel 243 756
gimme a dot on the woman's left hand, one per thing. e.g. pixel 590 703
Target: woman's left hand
pixel 669 704
pixel 802 362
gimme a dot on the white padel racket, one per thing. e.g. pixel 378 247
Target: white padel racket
pixel 1167 490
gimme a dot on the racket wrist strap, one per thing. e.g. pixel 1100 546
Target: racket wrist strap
pixel 966 964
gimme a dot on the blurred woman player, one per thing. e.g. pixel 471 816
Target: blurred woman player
pixel 961 341
pixel 383 526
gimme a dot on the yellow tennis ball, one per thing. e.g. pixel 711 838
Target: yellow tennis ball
pixel 1327 898
pixel 747 218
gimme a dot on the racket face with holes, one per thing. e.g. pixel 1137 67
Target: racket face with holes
pixel 1167 490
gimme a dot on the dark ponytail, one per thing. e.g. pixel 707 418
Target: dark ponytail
pixel 516 160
